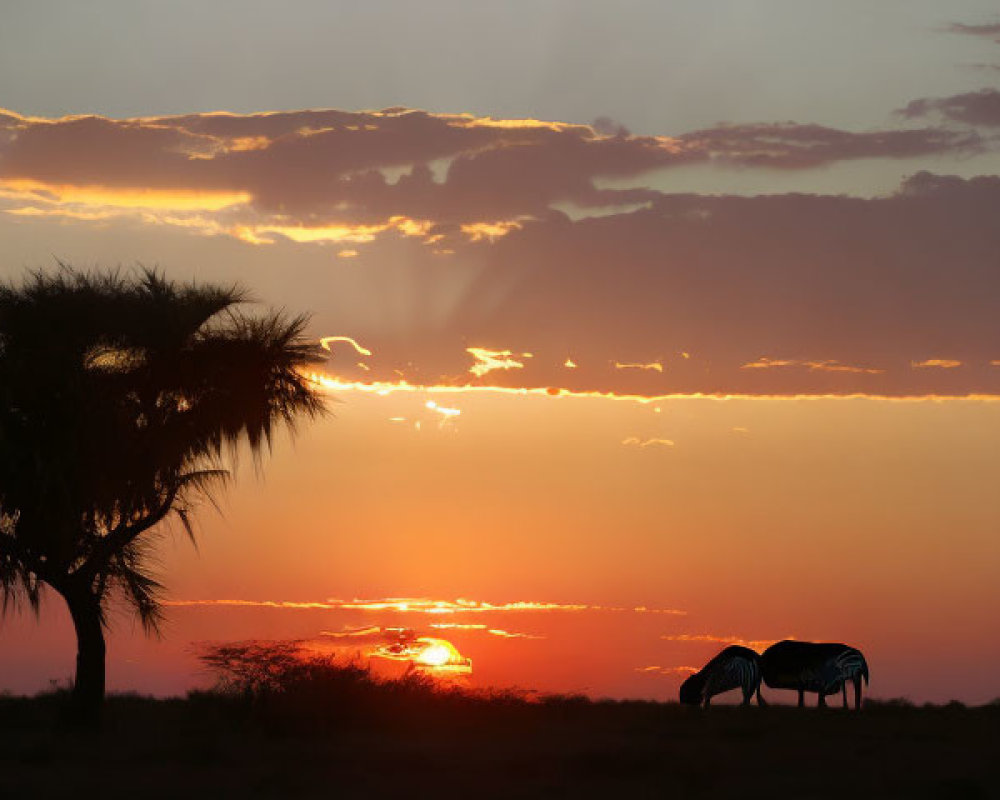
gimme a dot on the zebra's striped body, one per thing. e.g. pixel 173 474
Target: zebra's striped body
pixel 734 668
pixel 820 667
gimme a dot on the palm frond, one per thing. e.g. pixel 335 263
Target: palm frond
pixel 122 391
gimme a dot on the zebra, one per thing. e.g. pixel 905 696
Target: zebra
pixel 735 667
pixel 821 667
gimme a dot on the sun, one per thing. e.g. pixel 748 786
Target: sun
pixel 440 657
pixel 435 655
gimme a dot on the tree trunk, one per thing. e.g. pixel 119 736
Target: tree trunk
pixel 88 688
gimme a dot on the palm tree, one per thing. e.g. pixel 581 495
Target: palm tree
pixel 122 398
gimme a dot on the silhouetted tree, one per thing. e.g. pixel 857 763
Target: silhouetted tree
pixel 122 397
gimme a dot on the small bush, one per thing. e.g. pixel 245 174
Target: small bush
pixel 283 685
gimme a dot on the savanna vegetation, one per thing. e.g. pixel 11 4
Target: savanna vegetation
pixel 278 725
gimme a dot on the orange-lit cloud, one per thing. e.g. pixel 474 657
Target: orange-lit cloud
pixel 656 366
pixel 353 633
pixel 447 414
pixel 512 634
pixel 386 388
pixel 938 363
pixel 655 669
pixel 637 442
pixel 318 175
pixel 137 197
pixel 423 605
pixel 754 644
pixel 326 341
pixel 474 626
pixel 822 366
pixel 403 186
pixel 477 231
pixel 489 360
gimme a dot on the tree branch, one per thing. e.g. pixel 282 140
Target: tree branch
pixel 124 534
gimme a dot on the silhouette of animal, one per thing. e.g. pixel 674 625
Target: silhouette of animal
pixel 821 667
pixel 734 668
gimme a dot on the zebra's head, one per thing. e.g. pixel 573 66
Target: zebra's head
pixel 692 690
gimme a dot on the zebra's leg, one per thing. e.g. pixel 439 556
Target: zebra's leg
pixel 844 687
pixel 760 698
pixel 708 699
pixel 822 700
pixel 857 692
pixel 802 698
pixel 747 694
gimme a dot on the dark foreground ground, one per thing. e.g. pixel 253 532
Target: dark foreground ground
pixel 231 746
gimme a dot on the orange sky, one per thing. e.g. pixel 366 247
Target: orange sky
pixel 737 280
pixel 868 521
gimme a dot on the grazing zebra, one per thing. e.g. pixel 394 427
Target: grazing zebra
pixel 735 667
pixel 821 667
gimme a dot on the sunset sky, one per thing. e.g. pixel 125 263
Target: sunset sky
pixel 652 327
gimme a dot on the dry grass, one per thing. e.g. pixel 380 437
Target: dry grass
pixel 315 729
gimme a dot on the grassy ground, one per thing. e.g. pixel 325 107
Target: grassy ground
pixel 221 748
pixel 341 734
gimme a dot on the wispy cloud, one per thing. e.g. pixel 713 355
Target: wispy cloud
pixel 353 633
pixel 936 363
pixel 422 605
pixel 972 108
pixel 655 669
pixel 473 626
pixel 828 365
pixel 754 644
pixel 796 146
pixel 990 29
pixel 385 388
pixel 642 443
pixel 327 341
pixel 655 366
pixel 489 360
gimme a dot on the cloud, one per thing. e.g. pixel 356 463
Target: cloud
pixel 773 294
pixel 353 633
pixel 938 363
pixel 419 605
pixel 843 293
pixel 828 365
pixel 489 360
pixel 605 126
pixel 988 29
pixel 349 177
pixel 309 174
pixel 326 342
pixel 656 366
pixel 642 443
pixel 655 669
pixel 754 644
pixel 972 108
pixel 790 145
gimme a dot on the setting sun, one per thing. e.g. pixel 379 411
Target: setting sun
pixel 439 653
